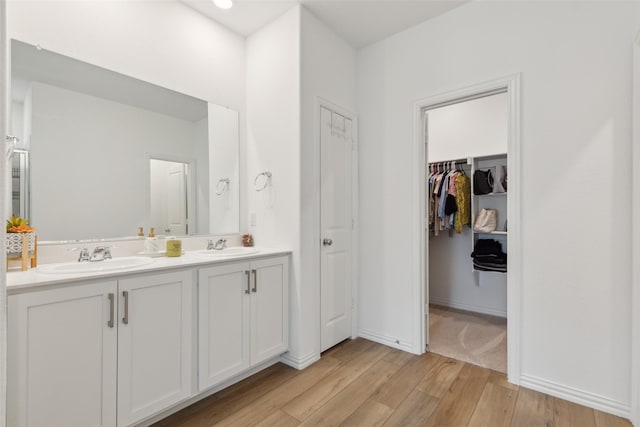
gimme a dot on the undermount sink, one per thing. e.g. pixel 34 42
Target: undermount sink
pixel 236 251
pixel 96 266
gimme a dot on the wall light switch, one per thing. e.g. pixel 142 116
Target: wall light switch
pixel 252 220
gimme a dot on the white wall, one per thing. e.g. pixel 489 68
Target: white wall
pixel 576 178
pixel 273 144
pixel 472 128
pixel 17 121
pixel 635 355
pixel 224 163
pixel 201 154
pixel 158 173
pixel 328 71
pixel 162 42
pixel 290 63
pixel 90 158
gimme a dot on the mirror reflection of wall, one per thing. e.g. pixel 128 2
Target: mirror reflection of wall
pixel 90 132
pixel 224 170
pixel 169 190
pixel 20 183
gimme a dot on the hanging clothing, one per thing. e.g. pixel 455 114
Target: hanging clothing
pixel 436 203
pixel 463 201
pixel 449 201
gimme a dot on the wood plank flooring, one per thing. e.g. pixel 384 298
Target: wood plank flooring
pixel 361 383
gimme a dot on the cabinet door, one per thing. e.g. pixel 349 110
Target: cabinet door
pixel 154 344
pixel 223 322
pixel 62 357
pixel 269 308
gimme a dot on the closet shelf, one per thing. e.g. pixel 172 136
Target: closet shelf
pixel 491 194
pixel 504 233
pixel 487 271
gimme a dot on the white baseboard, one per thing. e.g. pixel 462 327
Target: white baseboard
pixel 468 307
pixel 386 340
pixel 299 362
pixel 575 395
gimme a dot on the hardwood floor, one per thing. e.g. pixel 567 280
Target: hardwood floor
pixel 361 383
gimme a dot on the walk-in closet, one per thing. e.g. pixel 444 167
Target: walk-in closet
pixel 467 184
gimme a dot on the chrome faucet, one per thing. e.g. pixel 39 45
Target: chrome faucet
pixel 84 256
pixel 217 246
pixel 100 253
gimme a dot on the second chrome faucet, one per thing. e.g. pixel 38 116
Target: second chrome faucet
pixel 100 253
pixel 217 246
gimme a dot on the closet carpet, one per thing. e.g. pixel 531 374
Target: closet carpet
pixel 474 338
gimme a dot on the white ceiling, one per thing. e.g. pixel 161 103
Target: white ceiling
pixel 358 22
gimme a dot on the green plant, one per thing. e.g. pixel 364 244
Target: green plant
pixel 17 224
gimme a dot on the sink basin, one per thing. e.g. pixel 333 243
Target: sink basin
pixel 226 252
pixel 95 267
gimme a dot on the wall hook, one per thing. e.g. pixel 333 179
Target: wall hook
pixel 222 186
pixel 265 182
pixel 12 141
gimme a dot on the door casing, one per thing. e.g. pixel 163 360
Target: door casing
pixel 420 247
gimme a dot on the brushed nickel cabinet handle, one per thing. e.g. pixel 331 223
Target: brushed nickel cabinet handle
pixel 248 290
pixel 111 308
pixel 327 242
pixel 255 280
pixel 125 319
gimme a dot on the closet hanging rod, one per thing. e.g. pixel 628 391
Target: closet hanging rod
pixel 448 162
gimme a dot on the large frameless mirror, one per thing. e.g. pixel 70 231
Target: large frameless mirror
pixel 88 136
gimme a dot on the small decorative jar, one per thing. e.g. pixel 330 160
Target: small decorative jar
pixel 247 240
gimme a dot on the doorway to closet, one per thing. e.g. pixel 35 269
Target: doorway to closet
pixel 466 227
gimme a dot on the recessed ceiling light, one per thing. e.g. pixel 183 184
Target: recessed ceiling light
pixel 223 4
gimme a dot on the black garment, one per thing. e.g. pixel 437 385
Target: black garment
pixel 450 205
pixel 488 256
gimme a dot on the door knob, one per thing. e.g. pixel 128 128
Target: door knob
pixel 327 242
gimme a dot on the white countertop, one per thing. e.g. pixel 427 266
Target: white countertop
pixel 20 281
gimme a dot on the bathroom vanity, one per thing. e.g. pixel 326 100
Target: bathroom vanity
pixel 124 347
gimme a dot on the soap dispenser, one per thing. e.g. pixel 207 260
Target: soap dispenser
pixel 150 243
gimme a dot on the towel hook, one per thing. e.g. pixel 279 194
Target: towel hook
pixel 12 141
pixel 265 184
pixel 222 186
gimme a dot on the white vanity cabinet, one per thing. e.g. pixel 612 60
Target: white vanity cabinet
pixel 81 354
pixel 63 357
pixel 243 317
pixel 119 351
pixel 154 344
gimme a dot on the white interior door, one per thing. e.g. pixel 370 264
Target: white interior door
pixel 177 198
pixel 335 227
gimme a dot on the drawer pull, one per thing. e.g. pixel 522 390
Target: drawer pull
pixel 111 308
pixel 255 280
pixel 125 319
